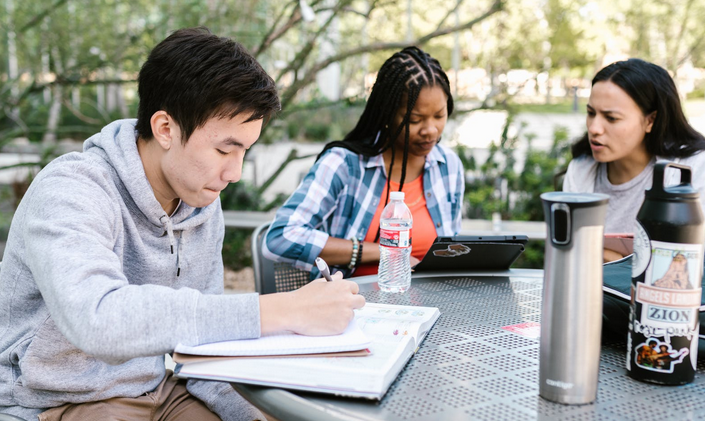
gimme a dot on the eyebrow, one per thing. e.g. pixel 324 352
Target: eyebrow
pixel 232 141
pixel 604 111
pixel 439 111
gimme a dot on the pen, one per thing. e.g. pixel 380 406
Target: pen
pixel 323 267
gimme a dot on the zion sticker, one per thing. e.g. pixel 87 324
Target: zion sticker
pixel 671 293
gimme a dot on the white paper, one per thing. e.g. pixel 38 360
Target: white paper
pixel 352 339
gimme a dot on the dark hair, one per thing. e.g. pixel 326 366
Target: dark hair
pixel 194 76
pixel 405 73
pixel 653 90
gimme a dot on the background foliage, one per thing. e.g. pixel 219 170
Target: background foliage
pixel 70 66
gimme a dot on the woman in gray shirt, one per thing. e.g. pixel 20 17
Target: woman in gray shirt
pixel 634 118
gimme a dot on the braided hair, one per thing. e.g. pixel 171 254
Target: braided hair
pixel 404 74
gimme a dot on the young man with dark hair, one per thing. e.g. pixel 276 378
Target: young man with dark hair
pixel 114 254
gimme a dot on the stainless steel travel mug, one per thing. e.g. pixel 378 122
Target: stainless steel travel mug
pixel 571 312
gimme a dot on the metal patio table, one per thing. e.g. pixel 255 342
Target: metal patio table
pixel 469 368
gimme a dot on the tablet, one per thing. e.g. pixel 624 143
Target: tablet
pixel 469 252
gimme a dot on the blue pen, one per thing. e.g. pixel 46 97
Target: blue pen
pixel 323 267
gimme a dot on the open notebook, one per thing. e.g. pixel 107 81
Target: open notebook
pixel 395 331
pixel 282 344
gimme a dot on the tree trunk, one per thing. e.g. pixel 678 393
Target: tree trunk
pixel 12 67
pixel 548 87
pixel 120 98
pixel 49 137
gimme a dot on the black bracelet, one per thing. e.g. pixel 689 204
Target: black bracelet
pixel 359 255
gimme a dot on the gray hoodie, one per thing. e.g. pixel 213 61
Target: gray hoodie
pixel 98 283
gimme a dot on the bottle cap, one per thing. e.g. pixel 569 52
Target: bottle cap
pixel 396 195
pixel 683 190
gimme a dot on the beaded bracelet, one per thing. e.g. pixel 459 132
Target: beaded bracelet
pixel 355 249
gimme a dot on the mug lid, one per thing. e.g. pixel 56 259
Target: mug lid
pixel 576 200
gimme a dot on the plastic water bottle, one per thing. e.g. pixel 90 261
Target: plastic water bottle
pixel 395 245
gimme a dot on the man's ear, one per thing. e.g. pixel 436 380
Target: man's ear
pixel 650 121
pixel 164 129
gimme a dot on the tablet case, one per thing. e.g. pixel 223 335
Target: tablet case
pixel 464 252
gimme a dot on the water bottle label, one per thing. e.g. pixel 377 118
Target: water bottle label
pixel 670 296
pixel 392 238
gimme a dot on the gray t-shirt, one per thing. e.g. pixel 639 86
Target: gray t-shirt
pixel 625 199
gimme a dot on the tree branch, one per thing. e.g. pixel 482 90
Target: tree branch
pixel 276 33
pixel 80 115
pixel 450 12
pixel 691 50
pixel 40 17
pixel 681 32
pixel 306 50
pixel 82 82
pixel 497 6
pixel 290 92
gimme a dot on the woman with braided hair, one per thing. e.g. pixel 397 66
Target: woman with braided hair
pixel 334 213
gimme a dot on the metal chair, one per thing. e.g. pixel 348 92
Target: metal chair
pixel 271 276
pixel 558 179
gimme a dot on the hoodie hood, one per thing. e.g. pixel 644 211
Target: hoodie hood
pixel 117 145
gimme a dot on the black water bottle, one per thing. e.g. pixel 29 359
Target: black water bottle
pixel 666 282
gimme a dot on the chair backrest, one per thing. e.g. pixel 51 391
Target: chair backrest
pixel 558 179
pixel 271 276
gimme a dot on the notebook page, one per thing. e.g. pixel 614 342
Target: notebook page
pixel 393 322
pixel 353 338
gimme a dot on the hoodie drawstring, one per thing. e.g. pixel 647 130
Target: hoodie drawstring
pixel 179 251
pixel 166 222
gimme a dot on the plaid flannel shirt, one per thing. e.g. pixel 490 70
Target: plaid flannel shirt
pixel 339 197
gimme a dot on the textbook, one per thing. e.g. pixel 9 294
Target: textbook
pixel 395 332
pixel 287 343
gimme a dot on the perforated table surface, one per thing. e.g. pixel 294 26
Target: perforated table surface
pixel 468 367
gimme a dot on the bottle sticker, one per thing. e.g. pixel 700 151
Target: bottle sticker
pixel 671 290
pixel 642 251
pixel 655 355
pixel 392 238
pixel 452 250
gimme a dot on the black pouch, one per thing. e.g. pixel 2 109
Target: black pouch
pixel 617 287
